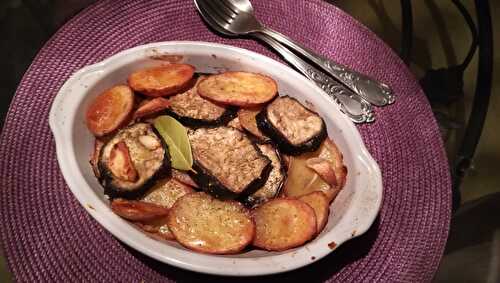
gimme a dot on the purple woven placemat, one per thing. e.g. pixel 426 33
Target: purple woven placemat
pixel 47 236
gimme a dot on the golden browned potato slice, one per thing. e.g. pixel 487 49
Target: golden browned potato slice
pixel 205 224
pixel 150 107
pixel 163 80
pixel 248 122
pixel 157 227
pixel 321 206
pixel 283 224
pixel 166 192
pixel 138 210
pixel 110 110
pixel 302 180
pixel 238 88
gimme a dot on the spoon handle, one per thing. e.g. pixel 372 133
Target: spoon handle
pixel 354 106
pixel 375 92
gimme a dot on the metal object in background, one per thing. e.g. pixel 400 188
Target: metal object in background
pixel 481 97
pixel 355 107
pixel 237 17
pixel 446 85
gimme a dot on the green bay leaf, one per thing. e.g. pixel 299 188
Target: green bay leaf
pixel 175 136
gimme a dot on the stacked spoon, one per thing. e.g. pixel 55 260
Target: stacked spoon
pixel 355 93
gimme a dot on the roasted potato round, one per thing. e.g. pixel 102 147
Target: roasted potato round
pixel 161 81
pixel 238 88
pixel 208 225
pixel 110 110
pixel 282 224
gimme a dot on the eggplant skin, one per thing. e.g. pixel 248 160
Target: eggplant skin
pixel 281 141
pixel 211 185
pixel 227 116
pixel 113 191
pixel 252 201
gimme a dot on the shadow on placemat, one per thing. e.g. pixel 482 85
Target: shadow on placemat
pixel 319 271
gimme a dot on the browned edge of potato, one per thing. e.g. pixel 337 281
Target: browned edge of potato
pixel 151 107
pixel 94 158
pixel 135 210
pixel 248 122
pixel 321 206
pixel 157 228
pixel 339 167
pixel 283 223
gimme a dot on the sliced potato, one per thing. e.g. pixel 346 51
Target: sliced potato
pixel 110 110
pixel 302 180
pixel 238 88
pixel 321 206
pixel 163 80
pixel 283 224
pixel 138 210
pixel 248 122
pixel 205 224
pixel 333 154
pixel 157 227
pixel 94 158
pixel 323 168
pixel 150 107
pixel 184 178
pixel 166 192
pixel 120 163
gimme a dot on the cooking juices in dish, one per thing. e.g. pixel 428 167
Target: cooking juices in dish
pixel 219 163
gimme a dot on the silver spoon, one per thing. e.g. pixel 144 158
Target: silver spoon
pixel 237 17
pixel 355 107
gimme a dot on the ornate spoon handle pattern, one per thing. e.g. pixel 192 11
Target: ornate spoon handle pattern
pixel 375 92
pixel 353 105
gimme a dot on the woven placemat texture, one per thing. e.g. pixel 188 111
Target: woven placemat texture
pixel 47 236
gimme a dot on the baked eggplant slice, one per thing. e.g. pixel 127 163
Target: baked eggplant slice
pixel 274 182
pixel 294 128
pixel 227 163
pixel 195 111
pixel 132 161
